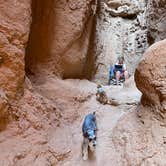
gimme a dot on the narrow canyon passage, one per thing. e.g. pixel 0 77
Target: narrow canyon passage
pixel 93 41
pixel 60 43
pixel 67 139
pixel 38 50
pixel 44 53
pixel 54 54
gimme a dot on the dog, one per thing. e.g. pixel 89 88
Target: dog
pixel 101 96
pixel 89 129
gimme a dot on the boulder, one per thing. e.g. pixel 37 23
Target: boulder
pixel 150 77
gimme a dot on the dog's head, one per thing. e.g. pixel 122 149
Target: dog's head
pixel 92 139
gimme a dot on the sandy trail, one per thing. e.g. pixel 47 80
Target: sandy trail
pixel 48 132
pixel 68 138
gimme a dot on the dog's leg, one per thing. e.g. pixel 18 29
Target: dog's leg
pixel 85 148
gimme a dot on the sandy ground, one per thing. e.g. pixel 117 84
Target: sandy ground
pixel 61 144
pixel 68 138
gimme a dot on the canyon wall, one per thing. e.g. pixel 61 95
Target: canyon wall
pixel 121 31
pixel 42 37
pixel 14 32
pixel 55 43
pixel 60 35
pixel 15 19
pixel 139 136
pixel 61 40
pixel 156 20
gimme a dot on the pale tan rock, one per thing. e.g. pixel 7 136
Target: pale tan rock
pixel 120 31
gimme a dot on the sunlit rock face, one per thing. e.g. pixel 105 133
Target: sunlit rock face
pixel 121 31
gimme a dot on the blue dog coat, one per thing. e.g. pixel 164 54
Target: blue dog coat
pixel 89 126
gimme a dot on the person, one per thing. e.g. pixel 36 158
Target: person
pixel 120 70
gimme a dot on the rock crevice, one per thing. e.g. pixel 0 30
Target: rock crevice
pixel 60 37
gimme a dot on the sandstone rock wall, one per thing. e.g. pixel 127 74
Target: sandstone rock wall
pixel 150 77
pixel 156 20
pixel 15 19
pixel 57 42
pixel 121 31
pixel 60 37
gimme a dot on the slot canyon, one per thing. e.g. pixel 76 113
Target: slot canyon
pixel 54 54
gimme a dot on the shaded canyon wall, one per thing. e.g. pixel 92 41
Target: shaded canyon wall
pixel 60 35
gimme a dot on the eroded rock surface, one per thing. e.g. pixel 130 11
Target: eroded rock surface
pixel 15 19
pixel 150 76
pixel 46 111
pixel 120 31
pixel 124 9
pixel 14 33
pixel 59 40
pixel 139 139
pixel 46 121
pixel 156 20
